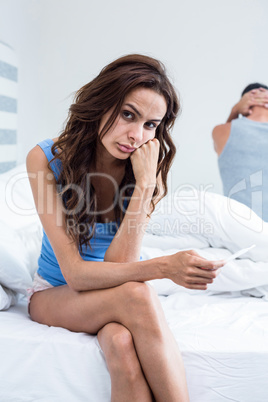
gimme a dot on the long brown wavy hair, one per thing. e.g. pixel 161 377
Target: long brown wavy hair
pixel 77 144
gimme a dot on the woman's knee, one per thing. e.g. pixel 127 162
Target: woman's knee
pixel 140 299
pixel 143 308
pixel 117 344
pixel 115 338
pixel 138 293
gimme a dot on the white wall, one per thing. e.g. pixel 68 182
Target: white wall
pixel 212 50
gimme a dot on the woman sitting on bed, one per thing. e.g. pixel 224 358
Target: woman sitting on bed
pixel 95 187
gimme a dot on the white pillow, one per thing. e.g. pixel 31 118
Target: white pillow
pixel 31 239
pixel 17 208
pixel 211 218
pixel 19 251
pixel 14 273
pixel 20 235
pixel 20 228
pixel 7 298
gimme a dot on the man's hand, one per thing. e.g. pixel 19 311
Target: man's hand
pixel 256 97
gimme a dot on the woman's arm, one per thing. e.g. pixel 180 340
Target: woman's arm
pixel 126 244
pixel 183 268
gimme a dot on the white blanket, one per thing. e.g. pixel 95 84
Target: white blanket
pixel 215 227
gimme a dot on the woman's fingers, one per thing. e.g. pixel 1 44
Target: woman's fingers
pixel 144 161
pixel 192 271
pixel 200 262
pixel 197 286
pixel 200 281
pixel 202 275
pixel 205 276
pixel 209 265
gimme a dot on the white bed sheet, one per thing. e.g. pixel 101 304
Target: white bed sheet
pixel 223 341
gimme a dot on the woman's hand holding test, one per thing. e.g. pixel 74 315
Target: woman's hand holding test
pixel 189 269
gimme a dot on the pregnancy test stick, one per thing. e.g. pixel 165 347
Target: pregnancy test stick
pixel 235 255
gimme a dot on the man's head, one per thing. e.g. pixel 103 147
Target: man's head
pixel 250 87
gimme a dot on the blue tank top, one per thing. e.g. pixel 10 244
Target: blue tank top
pixel 243 165
pixel 48 266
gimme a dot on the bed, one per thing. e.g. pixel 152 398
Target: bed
pixel 222 332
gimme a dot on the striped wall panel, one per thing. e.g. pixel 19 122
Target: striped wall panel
pixel 8 107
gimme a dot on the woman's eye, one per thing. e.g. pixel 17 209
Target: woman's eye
pixel 128 115
pixel 150 125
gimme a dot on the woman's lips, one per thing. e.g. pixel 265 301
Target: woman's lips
pixel 124 148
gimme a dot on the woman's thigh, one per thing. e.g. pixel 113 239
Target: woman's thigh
pixel 86 311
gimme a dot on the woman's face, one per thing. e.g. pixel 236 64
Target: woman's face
pixel 141 113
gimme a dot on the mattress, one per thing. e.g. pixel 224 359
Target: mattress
pixel 223 340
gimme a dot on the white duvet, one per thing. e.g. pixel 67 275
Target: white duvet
pixel 215 227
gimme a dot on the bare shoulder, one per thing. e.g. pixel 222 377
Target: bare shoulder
pixel 220 130
pixel 220 136
pixel 36 158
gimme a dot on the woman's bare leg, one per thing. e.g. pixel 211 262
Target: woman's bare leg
pixel 127 379
pixel 134 305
